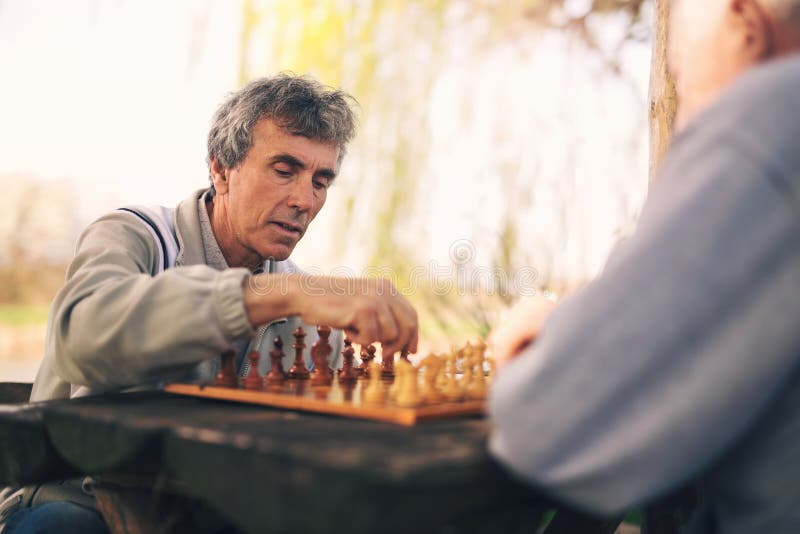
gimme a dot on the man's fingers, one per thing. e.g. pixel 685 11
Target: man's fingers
pixel 413 328
pixel 406 320
pixel 413 345
pixel 367 327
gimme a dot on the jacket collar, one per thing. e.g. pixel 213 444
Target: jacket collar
pixel 190 238
pixel 187 232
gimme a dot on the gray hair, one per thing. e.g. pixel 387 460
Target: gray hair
pixel 789 9
pixel 299 104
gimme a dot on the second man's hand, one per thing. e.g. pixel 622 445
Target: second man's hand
pixel 520 328
pixel 368 310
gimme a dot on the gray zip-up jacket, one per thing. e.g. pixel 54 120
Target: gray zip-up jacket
pixel 140 308
pixel 122 321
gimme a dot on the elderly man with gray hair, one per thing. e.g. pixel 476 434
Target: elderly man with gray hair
pixel 156 294
pixel 681 361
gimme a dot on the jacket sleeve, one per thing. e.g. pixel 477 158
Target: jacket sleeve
pixel 658 366
pixel 114 324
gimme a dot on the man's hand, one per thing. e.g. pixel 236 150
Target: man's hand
pixel 519 329
pixel 368 310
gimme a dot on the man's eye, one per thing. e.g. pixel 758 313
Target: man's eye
pixel 320 184
pixel 283 173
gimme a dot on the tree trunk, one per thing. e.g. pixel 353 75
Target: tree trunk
pixel 663 99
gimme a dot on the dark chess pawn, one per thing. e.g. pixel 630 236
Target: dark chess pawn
pixel 347 391
pixel 367 355
pixel 276 375
pixel 253 380
pixel 387 366
pixel 348 374
pixel 320 352
pixel 298 369
pixel 226 377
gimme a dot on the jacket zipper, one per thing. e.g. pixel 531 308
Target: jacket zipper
pixel 256 345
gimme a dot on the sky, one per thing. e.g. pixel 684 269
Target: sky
pixel 114 97
pixel 117 94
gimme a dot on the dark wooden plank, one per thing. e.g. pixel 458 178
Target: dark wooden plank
pixel 26 454
pixel 111 432
pixel 13 392
pixel 309 473
pixel 290 471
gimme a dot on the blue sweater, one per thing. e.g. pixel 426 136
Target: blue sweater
pixel 682 359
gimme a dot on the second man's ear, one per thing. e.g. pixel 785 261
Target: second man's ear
pixel 752 24
pixel 219 175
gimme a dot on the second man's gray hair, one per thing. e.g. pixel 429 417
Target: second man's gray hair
pixel 789 9
pixel 299 104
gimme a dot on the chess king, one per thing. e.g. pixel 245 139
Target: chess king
pixel 156 294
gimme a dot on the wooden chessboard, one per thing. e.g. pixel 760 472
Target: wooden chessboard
pixel 337 399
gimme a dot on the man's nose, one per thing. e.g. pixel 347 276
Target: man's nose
pixel 301 196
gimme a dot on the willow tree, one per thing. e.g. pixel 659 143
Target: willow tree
pixel 390 54
pixel 663 100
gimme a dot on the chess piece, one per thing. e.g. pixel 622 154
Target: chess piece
pixel 397 383
pixel 432 365
pixel 348 374
pixel 367 355
pixel 387 365
pixel 476 387
pixel 347 391
pixel 253 380
pixel 298 369
pixel 441 376
pixel 321 376
pixel 452 390
pixel 226 377
pixel 466 368
pixel 492 369
pixel 404 354
pixel 276 375
pixel 408 390
pixel 375 392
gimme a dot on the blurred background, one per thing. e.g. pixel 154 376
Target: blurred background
pixel 502 147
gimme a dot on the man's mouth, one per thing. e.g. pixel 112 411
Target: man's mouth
pixel 289 227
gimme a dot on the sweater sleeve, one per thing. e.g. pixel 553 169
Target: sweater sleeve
pixel 114 324
pixel 658 366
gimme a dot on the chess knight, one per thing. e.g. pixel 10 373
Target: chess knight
pixel 155 294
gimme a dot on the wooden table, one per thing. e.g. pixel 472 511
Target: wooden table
pixel 262 469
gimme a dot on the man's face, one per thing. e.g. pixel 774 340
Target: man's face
pixel 711 42
pixel 275 193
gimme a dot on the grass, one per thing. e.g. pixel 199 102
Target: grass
pixel 23 314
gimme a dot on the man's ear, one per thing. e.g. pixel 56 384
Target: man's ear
pixel 752 27
pixel 219 176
